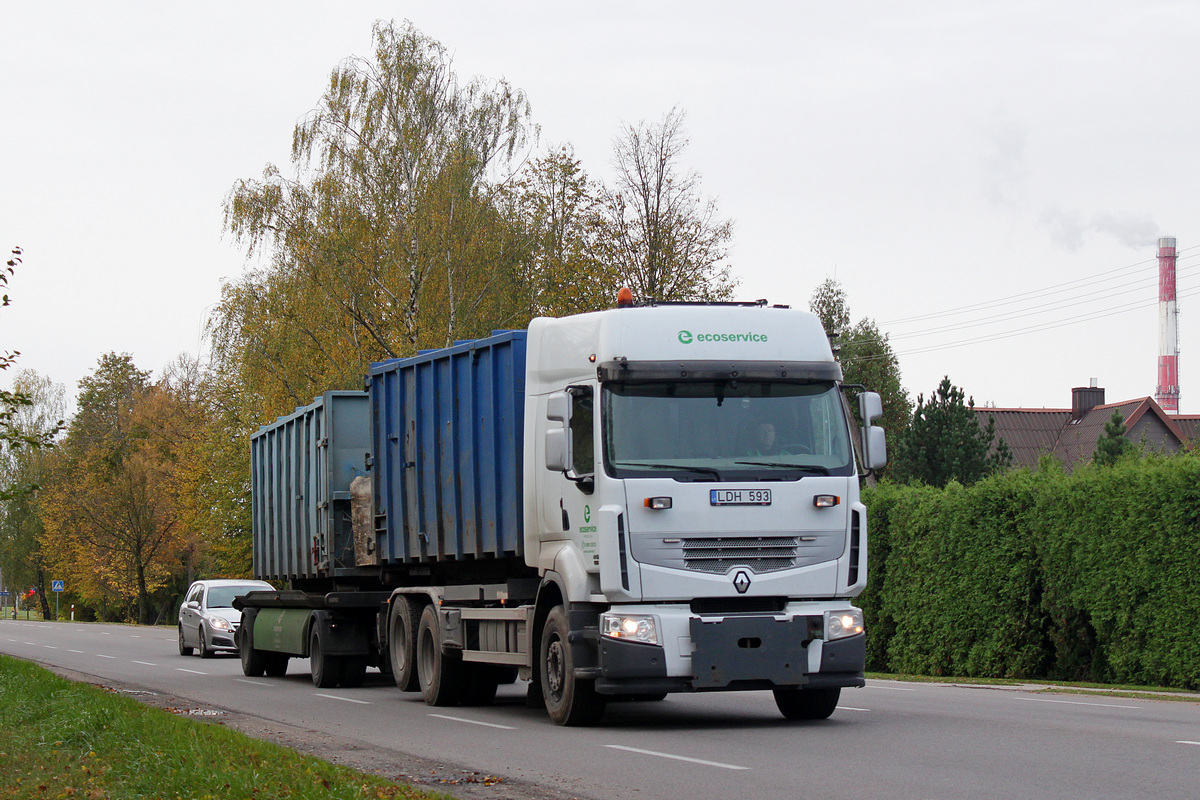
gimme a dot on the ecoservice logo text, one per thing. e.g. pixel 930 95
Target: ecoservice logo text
pixel 687 337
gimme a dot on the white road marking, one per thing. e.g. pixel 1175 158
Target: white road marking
pixel 851 708
pixel 252 683
pixel 33 644
pixel 889 688
pixel 105 633
pixel 49 647
pixel 1072 702
pixel 343 699
pixel 473 722
pixel 194 672
pixel 1184 741
pixel 674 757
pixel 74 651
pixel 145 663
pixel 101 655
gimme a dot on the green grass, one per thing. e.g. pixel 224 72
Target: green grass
pixel 60 739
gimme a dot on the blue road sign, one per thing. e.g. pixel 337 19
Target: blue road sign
pixel 4 593
pixel 56 586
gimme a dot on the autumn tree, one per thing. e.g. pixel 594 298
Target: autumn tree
pixel 668 240
pixel 16 434
pixel 866 356
pixel 558 211
pixel 113 504
pixel 387 239
pixel 22 471
pixel 944 441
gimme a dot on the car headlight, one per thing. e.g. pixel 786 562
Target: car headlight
pixel 631 627
pixel 840 624
pixel 219 624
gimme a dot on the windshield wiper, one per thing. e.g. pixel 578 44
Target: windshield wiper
pixel 716 476
pixel 813 468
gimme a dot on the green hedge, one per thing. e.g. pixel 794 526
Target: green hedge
pixel 1087 576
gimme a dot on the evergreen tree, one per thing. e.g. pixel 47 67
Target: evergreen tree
pixel 1113 445
pixel 865 354
pixel 944 441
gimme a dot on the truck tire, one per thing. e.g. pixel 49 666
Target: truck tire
pixel 184 650
pixel 569 700
pixel 326 669
pixel 254 662
pixel 402 643
pixel 441 674
pixel 807 703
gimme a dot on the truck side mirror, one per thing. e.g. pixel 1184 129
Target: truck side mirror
pixel 558 407
pixel 557 455
pixel 558 440
pixel 875 456
pixel 870 407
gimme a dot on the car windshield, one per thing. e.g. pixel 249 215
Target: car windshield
pixel 727 429
pixel 222 596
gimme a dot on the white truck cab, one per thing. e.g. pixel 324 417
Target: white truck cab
pixel 693 472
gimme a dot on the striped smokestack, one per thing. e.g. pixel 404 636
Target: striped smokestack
pixel 1167 394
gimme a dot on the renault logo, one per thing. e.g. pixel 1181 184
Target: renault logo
pixel 741 581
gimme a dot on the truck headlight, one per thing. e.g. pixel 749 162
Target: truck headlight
pixel 840 624
pixel 632 627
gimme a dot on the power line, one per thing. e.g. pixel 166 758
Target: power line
pixel 1034 293
pixel 1043 308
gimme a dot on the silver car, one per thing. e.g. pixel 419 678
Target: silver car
pixel 207 618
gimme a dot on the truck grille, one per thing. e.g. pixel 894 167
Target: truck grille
pixel 758 553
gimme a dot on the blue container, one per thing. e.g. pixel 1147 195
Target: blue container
pixel 447 446
pixel 301 467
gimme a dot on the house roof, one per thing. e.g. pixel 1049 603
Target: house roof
pixel 1188 425
pixel 1030 432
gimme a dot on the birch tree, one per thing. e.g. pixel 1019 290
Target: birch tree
pixel 668 240
pixel 388 223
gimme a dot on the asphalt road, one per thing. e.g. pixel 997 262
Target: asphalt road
pixel 901 741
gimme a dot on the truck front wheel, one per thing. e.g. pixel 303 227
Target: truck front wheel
pixel 441 674
pixel 402 644
pixel 569 700
pixel 807 703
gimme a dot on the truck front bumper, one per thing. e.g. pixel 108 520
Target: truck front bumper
pixel 731 652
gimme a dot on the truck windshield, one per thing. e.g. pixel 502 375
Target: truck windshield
pixel 725 430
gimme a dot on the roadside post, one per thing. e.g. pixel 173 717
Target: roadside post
pixel 57 588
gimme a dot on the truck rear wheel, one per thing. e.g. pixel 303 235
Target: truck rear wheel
pixel 807 703
pixel 326 669
pixel 569 700
pixel 402 643
pixel 441 674
pixel 254 662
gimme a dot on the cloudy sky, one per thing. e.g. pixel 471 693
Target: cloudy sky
pixel 987 180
